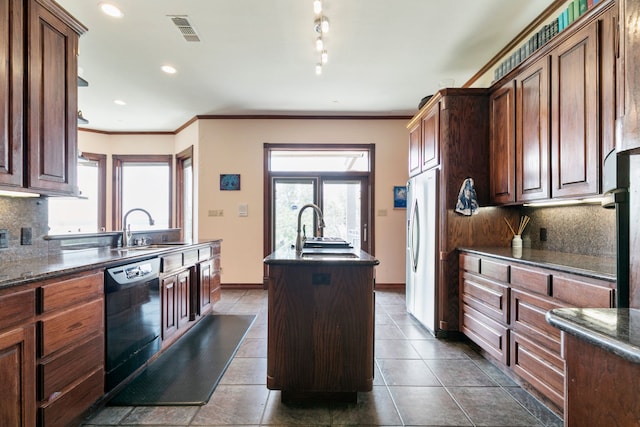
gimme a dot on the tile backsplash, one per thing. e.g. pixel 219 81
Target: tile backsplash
pixel 581 229
pixel 16 213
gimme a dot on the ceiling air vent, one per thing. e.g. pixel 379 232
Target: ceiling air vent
pixel 184 26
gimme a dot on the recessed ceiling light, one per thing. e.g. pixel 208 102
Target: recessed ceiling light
pixel 111 10
pixel 119 102
pixel 168 69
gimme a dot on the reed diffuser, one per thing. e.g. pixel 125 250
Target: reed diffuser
pixel 516 242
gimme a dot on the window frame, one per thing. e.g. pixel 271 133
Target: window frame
pixel 180 160
pixel 118 161
pixel 269 176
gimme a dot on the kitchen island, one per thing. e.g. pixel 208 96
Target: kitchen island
pixel 601 349
pixel 321 323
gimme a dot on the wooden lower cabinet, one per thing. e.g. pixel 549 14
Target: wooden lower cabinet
pixel 503 307
pixel 17 370
pixel 70 363
pixel 321 324
pixel 169 298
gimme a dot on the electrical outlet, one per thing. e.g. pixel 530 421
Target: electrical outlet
pixel 25 236
pixel 4 238
pixel 216 212
pixel 543 234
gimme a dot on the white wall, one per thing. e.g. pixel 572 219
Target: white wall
pixel 236 146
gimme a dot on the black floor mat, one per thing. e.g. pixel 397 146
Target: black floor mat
pixel 189 371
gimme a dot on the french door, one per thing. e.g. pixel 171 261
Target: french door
pixel 343 199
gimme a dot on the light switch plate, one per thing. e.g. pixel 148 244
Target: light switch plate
pixel 25 236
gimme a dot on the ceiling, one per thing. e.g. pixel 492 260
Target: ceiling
pixel 258 57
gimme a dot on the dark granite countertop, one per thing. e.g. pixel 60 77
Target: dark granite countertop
pixel 585 265
pixel 613 329
pixel 316 256
pixel 66 262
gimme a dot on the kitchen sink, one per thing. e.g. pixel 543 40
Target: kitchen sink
pixel 329 255
pixel 326 242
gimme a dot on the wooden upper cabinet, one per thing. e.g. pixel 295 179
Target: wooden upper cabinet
pixel 52 79
pixel 11 103
pixel 532 132
pixel 575 154
pixel 431 138
pixel 502 144
pixel 415 147
pixel 628 103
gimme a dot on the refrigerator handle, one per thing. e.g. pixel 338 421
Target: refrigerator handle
pixel 364 232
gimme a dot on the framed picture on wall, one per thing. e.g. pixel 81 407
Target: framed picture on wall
pixel 399 197
pixel 230 181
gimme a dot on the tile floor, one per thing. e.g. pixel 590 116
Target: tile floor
pixel 419 381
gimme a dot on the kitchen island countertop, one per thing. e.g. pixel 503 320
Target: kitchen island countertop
pixel 314 256
pixel 16 273
pixel 597 267
pixel 616 330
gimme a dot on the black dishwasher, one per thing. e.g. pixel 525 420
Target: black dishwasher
pixel 133 318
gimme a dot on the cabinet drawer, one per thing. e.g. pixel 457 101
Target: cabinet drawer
pixel 531 280
pixel 63 294
pixel 57 373
pixel 528 313
pixel 204 253
pixel 494 270
pixel 486 296
pixel 469 263
pixel 171 262
pixel 190 257
pixel 539 367
pixel 67 327
pixel 17 308
pixel 486 332
pixel 63 410
pixel 580 293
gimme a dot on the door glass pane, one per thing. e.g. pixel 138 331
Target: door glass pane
pixel 289 197
pixel 341 209
pixel 71 215
pixel 146 185
pixel 319 161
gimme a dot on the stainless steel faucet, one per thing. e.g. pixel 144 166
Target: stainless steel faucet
pixel 126 228
pixel 320 224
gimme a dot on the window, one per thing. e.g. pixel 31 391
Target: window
pixel 337 178
pixel 85 214
pixel 142 182
pixel 184 193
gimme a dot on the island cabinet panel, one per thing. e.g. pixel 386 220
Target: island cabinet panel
pixel 575 142
pixel 320 335
pixel 502 144
pixel 601 386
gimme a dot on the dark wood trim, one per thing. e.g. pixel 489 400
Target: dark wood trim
pixel 390 286
pixel 118 160
pixel 180 159
pixel 242 286
pixel 101 159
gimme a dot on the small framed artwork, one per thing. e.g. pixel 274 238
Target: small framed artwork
pixel 399 197
pixel 230 181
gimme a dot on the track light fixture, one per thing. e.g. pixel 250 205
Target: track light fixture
pixel 321 28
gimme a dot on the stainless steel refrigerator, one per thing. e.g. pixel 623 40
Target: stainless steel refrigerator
pixel 422 238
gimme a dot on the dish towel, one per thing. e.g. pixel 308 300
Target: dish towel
pixel 467 199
